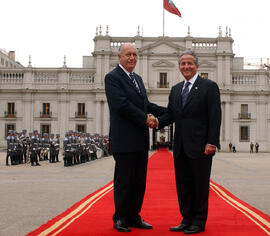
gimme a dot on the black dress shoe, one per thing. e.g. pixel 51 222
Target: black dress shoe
pixel 180 227
pixel 194 229
pixel 121 226
pixel 140 224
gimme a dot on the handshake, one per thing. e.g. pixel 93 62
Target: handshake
pixel 151 121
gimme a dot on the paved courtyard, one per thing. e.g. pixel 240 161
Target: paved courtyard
pixel 30 196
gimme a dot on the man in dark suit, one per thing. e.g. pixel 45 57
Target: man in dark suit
pixel 194 106
pixel 129 138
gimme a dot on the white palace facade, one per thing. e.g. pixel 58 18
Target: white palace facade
pixel 55 100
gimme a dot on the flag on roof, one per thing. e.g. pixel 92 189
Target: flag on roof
pixel 170 7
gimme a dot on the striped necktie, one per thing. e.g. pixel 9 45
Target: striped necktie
pixel 185 94
pixel 134 82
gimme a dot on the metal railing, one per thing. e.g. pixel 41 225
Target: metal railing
pixel 80 115
pixel 244 116
pixel 10 115
pixel 45 114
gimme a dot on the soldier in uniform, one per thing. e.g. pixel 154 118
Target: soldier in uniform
pixel 17 149
pixel 93 149
pixel 52 148
pixel 103 146
pixel 34 148
pixel 39 139
pixel 24 139
pixel 75 146
pixel 83 148
pixel 57 147
pixel 87 143
pixel 45 146
pixel 68 151
pixel 10 141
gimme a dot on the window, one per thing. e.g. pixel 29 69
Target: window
pixel 244 133
pixel 244 109
pixel 81 128
pixel 163 80
pixel 9 127
pixel 46 109
pixel 11 108
pixel 204 75
pixel 81 109
pixel 244 112
pixel 45 128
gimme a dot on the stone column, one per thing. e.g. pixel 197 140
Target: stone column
pixel 98 77
pixel 106 67
pixel 63 113
pixel 227 122
pixel 222 128
pixel 261 120
pixel 227 70
pixel 106 119
pixel 98 117
pixel 145 71
pixel 28 112
pixel 220 78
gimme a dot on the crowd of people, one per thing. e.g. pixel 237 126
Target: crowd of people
pixel 77 147
pixel 82 147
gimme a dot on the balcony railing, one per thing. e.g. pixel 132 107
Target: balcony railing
pixel 244 116
pixel 45 114
pixel 80 115
pixel 10 115
pixel 163 85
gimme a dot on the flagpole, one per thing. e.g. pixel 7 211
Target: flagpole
pixel 163 20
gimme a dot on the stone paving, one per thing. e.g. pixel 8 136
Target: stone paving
pixel 32 195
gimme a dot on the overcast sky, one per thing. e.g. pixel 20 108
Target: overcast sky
pixel 49 29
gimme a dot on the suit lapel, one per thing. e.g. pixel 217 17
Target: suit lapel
pixel 128 80
pixel 194 90
pixel 178 95
pixel 141 86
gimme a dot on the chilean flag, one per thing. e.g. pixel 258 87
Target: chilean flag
pixel 170 7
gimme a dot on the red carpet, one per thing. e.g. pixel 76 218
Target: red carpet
pixel 228 215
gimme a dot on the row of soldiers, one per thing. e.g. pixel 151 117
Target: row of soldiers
pixel 22 148
pixel 82 147
pixel 78 147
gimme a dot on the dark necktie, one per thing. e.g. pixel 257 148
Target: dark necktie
pixel 185 94
pixel 134 82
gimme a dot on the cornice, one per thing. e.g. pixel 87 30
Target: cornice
pixel 163 63
pixel 161 41
pixel 96 53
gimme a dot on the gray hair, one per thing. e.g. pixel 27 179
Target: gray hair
pixel 196 60
pixel 120 50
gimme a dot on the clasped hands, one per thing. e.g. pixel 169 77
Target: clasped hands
pixel 151 121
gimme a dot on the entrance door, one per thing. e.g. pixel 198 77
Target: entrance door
pixel 163 138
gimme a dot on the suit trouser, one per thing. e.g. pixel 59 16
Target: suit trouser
pixel 129 184
pixel 192 182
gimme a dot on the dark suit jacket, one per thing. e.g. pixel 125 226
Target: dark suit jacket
pixel 128 112
pixel 198 123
